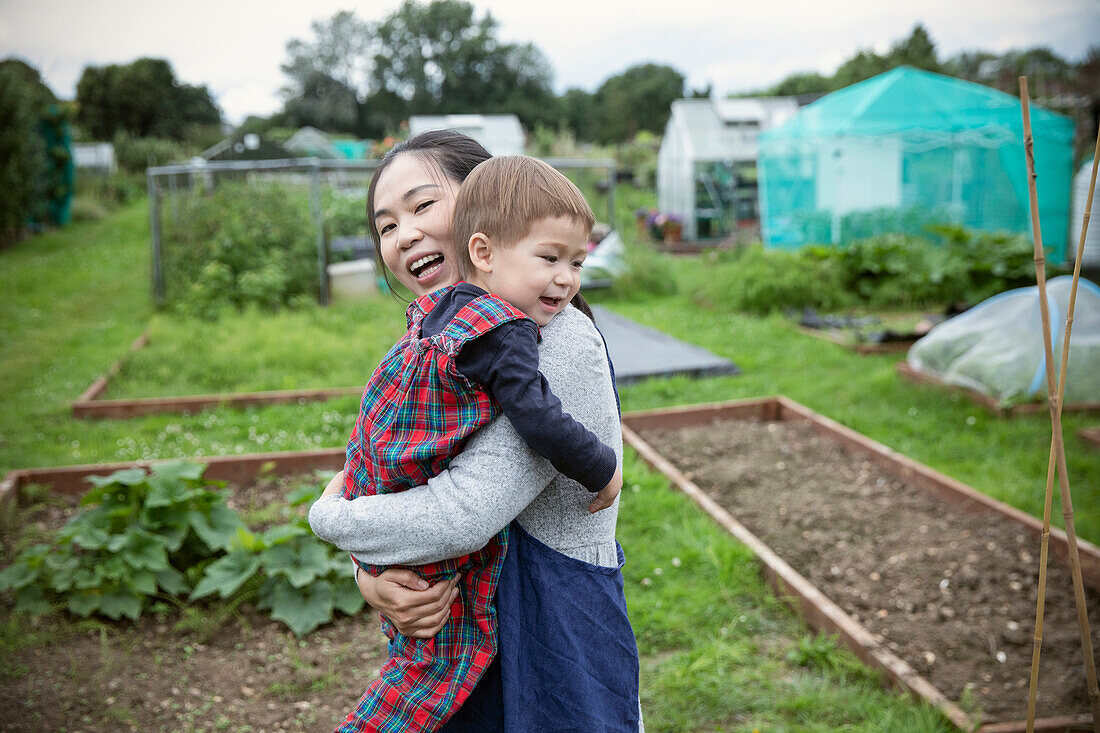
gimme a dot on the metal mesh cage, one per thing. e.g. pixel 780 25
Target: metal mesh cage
pixel 907 148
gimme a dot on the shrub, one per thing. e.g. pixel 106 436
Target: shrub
pixel 898 269
pixel 135 154
pixel 238 246
pixel 647 273
pixel 758 280
pixel 965 265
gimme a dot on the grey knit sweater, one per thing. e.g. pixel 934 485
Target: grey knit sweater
pixel 497 478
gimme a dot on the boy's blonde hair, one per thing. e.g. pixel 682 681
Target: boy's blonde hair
pixel 503 196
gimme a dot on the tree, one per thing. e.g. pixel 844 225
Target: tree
pixel 803 82
pixel 639 98
pixel 324 103
pixel 577 108
pixel 340 50
pixel 917 50
pixel 142 99
pixel 440 58
pixel 22 154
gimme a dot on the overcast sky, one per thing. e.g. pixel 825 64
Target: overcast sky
pixel 235 46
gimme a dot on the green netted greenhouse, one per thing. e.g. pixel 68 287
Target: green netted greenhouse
pixel 910 148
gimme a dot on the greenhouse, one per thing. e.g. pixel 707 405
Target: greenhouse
pixel 909 148
pixel 706 167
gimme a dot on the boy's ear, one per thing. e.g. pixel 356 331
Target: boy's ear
pixel 481 252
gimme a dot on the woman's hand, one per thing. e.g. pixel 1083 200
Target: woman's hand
pixel 414 608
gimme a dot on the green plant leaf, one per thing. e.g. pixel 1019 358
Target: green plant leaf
pixel 303 495
pixel 348 599
pixel 143 582
pixel 145 550
pixel 180 470
pixel 82 603
pixel 90 537
pixel 226 575
pixel 125 477
pixel 281 533
pixel 32 600
pixel 19 575
pixel 218 529
pixel 120 602
pixel 299 565
pixel 171 581
pixel 85 578
pixel 302 609
pixel 166 491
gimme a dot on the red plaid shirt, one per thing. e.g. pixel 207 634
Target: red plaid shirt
pixel 416 413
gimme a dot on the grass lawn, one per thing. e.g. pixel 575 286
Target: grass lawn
pixel 719 652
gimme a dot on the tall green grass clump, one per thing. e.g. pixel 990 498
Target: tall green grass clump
pixel 647 274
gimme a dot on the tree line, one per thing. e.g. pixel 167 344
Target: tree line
pixel 365 78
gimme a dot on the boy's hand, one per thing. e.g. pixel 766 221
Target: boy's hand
pixel 335 486
pixel 606 496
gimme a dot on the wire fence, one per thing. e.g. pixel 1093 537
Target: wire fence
pixel 235 232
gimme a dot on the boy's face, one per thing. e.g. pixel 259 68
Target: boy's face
pixel 541 272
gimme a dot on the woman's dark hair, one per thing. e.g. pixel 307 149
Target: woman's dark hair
pixel 454 155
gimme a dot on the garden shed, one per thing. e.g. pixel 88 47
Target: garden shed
pixel 908 148
pixel 500 134
pixel 312 143
pixel 706 166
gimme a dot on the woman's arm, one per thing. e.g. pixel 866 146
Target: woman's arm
pixel 494 479
pixel 457 512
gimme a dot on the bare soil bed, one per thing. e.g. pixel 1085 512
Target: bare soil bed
pixel 951 593
pixel 210 670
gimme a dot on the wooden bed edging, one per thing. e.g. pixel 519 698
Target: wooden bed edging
pixel 87 405
pixel 860 347
pixel 238 469
pixel 195 403
pixel 989 403
pixel 96 388
pixel 818 610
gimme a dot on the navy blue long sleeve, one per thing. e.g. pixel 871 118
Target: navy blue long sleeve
pixel 505 362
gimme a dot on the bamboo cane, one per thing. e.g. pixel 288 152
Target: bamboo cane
pixel 1038 640
pixel 1054 395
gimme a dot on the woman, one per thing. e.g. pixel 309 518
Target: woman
pixel 568 660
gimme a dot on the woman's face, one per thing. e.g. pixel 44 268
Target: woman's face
pixel 413 208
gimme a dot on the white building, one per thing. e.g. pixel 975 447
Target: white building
pixel 500 134
pixel 706 167
pixel 95 157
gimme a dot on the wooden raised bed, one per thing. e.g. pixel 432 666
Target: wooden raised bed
pixel 239 470
pixel 820 612
pixel 986 401
pixel 88 405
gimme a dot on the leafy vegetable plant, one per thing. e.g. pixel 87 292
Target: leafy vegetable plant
pixel 143 536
